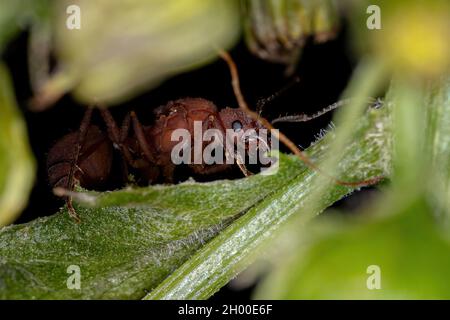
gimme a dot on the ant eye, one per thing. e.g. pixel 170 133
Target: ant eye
pixel 236 125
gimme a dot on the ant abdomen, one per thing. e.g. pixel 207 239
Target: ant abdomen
pixel 94 163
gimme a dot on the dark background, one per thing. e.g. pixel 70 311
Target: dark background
pixel 324 71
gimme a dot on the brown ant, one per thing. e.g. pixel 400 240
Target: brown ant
pixel 85 157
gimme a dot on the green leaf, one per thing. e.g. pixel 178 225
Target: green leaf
pixel 129 241
pixel 17 165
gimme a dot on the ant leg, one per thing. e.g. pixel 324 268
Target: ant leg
pixel 117 135
pixel 124 129
pixel 140 135
pixel 74 165
pixel 242 167
pixel 112 128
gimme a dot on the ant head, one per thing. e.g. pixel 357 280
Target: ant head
pixel 238 120
pixel 245 127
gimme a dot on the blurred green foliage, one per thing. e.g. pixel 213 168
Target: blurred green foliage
pixel 413 38
pixel 19 15
pixel 412 256
pixel 125 47
pixel 16 161
pixel 276 30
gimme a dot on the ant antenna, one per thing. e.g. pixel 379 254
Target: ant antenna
pixel 279 135
pixel 331 107
pixel 263 101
